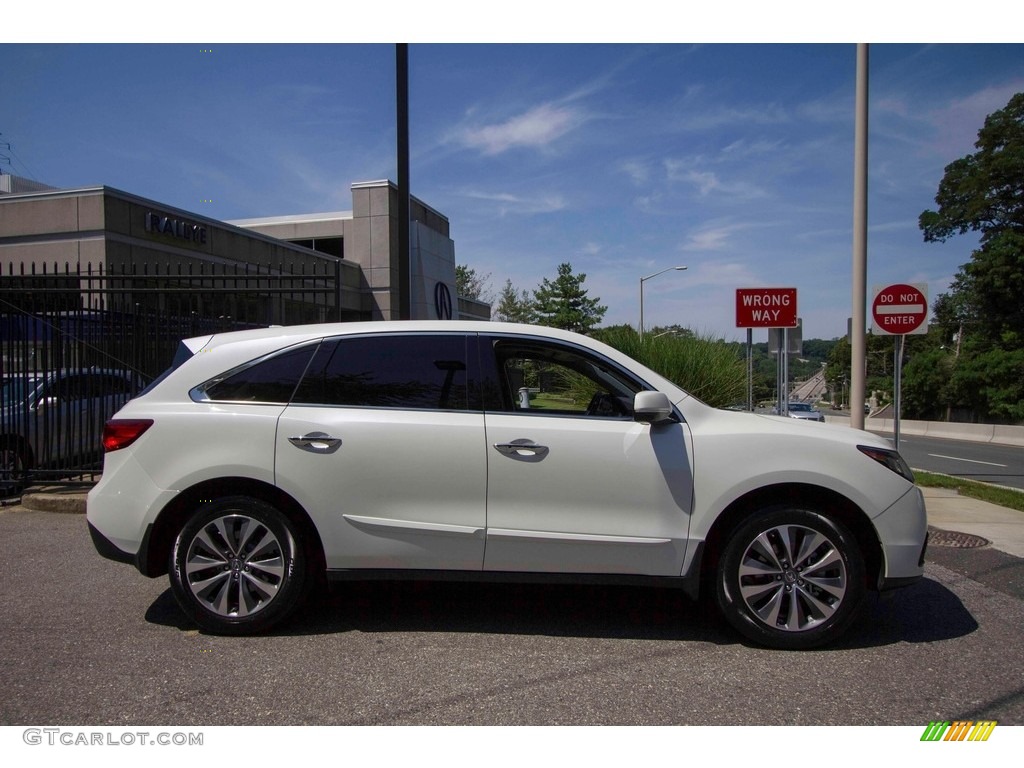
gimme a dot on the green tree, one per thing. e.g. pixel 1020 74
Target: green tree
pixel 983 315
pixel 926 381
pixel 879 376
pixel 514 306
pixel 470 285
pixel 564 303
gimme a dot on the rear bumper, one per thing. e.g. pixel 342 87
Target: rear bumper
pixel 108 549
pixel 121 510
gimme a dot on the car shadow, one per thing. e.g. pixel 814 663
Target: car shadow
pixel 926 612
pixel 923 613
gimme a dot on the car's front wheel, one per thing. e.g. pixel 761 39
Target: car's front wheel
pixel 237 567
pixel 790 578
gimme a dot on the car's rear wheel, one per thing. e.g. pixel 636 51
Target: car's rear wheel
pixel 790 578
pixel 237 567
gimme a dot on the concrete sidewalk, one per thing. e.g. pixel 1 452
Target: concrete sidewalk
pixel 947 511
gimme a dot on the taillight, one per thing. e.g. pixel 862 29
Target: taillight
pixel 120 433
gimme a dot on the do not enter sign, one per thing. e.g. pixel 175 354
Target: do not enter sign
pixel 901 309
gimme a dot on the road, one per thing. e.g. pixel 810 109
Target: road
pixel 999 464
pixel 85 640
pixel 809 391
pixel 985 462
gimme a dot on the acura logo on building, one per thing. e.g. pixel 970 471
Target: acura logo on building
pixel 443 302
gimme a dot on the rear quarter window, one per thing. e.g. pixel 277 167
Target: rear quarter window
pixel 268 380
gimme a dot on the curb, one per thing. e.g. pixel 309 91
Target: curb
pixel 62 500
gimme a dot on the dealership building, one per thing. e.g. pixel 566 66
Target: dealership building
pixel 355 252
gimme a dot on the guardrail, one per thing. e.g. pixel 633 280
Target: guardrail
pixel 1000 434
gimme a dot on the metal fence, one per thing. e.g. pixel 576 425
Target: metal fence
pixel 76 341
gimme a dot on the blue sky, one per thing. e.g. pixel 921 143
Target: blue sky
pixel 623 159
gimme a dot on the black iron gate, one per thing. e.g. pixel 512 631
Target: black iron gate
pixel 76 342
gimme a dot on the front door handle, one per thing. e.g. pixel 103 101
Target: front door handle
pixel 523 449
pixel 316 442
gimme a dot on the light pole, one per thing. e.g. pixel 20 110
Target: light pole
pixel 642 279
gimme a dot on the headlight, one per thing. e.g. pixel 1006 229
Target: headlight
pixel 888 458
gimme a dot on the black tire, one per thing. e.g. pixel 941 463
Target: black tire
pixel 237 567
pixel 790 578
pixel 15 461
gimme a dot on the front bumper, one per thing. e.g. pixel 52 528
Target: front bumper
pixel 903 532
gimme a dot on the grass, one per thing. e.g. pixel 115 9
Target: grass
pixel 549 401
pixel 994 494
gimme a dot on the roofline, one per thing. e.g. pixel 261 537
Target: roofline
pixel 295 218
pixel 164 207
pixel 392 185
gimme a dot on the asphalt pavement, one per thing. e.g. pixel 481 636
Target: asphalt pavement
pixel 89 641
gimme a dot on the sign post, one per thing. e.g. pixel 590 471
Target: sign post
pixel 767 308
pixel 899 310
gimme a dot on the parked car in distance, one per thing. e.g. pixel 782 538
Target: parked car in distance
pixel 271 459
pixel 805 411
pixel 56 418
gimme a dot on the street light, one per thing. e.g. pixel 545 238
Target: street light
pixel 642 279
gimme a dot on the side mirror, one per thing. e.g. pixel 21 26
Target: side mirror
pixel 651 407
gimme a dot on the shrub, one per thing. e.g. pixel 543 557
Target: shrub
pixel 705 367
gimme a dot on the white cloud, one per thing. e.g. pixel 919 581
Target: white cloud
pixel 709 239
pixel 721 117
pixel 742 148
pixel 958 123
pixel 708 182
pixel 508 203
pixel 637 171
pixel 538 127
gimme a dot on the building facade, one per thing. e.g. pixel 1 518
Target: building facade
pixel 354 252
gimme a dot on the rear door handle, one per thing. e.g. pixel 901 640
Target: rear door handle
pixel 316 442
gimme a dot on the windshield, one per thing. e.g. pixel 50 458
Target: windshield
pixel 15 390
pixel 799 407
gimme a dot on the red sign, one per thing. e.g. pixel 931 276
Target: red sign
pixel 766 308
pixel 900 309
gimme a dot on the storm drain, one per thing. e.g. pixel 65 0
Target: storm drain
pixel 939 538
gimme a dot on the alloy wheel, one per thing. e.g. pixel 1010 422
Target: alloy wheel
pixel 235 566
pixel 792 578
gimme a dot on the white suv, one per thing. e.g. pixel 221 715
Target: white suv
pixel 267 460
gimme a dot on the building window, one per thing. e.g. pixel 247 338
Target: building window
pixel 331 246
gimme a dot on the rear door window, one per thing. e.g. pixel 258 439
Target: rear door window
pixel 414 371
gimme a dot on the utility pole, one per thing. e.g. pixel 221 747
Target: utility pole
pixel 402 118
pixel 858 342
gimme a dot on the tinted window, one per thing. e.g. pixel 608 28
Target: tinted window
pixel 270 380
pixel 417 371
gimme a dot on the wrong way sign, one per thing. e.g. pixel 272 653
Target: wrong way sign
pixel 900 309
pixel 766 308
